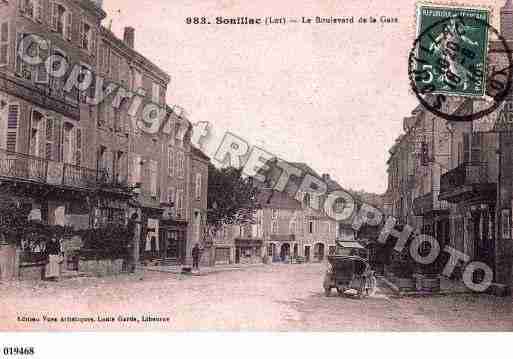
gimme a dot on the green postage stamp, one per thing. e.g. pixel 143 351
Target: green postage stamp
pixel 451 50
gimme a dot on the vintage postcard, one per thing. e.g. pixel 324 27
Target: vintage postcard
pixel 220 165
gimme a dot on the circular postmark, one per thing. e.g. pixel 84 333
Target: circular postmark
pixel 445 61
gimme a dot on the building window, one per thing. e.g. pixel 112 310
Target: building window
pixel 179 204
pixel 306 200
pixel 86 37
pixel 138 83
pixel 62 20
pixel 104 58
pixel 180 164
pixel 506 223
pixel 170 159
pixel 274 228
pixel 155 93
pixel 153 178
pixel 310 227
pixel 171 197
pixel 37 123
pixel 274 213
pixel 292 227
pixel 4 43
pixel 32 9
pixel 198 185
pixel 115 62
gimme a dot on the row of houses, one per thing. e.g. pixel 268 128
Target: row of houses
pixel 453 180
pixel 81 165
pixel 289 225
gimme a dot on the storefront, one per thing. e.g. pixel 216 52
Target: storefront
pixel 248 251
pixel 173 240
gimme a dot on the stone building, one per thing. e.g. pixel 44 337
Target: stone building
pixel 459 176
pixel 77 158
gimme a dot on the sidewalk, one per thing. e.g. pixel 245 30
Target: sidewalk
pixel 203 270
pixel 447 287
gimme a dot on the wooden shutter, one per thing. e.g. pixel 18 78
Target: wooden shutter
pixel 78 146
pixel 41 73
pixel 476 147
pixel 69 25
pixel 137 169
pixel 57 140
pixel 38 10
pixel 4 43
pixel 170 156
pixel 153 178
pixel 92 42
pixel 198 186
pixel 54 10
pixel 466 148
pixel 49 138
pixel 41 140
pixel 13 118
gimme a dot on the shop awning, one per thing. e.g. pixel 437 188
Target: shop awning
pixel 350 244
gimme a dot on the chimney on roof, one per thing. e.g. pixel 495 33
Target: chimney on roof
pixel 129 37
pixel 506 19
pixel 325 177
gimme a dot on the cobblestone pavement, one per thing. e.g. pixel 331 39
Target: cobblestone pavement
pixel 272 297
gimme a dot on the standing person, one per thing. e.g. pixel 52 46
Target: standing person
pixel 53 254
pixel 195 256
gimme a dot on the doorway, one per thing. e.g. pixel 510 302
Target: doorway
pixel 285 251
pixel 307 253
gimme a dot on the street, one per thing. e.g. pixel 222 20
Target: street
pixel 272 297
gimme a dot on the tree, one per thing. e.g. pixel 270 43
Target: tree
pixel 232 199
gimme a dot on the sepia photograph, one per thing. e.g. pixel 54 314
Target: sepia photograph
pixel 249 167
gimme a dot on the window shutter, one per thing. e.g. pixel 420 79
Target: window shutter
pixel 57 128
pixel 38 10
pixel 41 136
pixel 41 74
pixel 137 169
pixel 466 148
pixel 170 161
pixel 49 138
pixel 476 147
pixel 54 9
pixel 153 178
pixel 69 25
pixel 13 117
pixel 93 43
pixel 4 43
pixel 78 146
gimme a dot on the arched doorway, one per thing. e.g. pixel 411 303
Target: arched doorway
pixel 285 251
pixel 271 251
pixel 295 251
pixel 319 251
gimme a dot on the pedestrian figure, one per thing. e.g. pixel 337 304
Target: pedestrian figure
pixel 54 259
pixel 195 256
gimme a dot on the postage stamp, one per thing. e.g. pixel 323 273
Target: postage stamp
pixel 453 46
pixel 450 58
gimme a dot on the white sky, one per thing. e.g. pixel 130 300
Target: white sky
pixel 332 96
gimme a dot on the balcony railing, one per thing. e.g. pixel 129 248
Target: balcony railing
pixel 16 165
pixel 464 175
pixel 35 169
pixel 428 203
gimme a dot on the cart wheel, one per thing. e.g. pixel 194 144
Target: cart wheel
pixel 327 292
pixel 340 291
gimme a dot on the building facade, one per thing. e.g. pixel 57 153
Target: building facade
pixel 76 154
pixel 453 180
